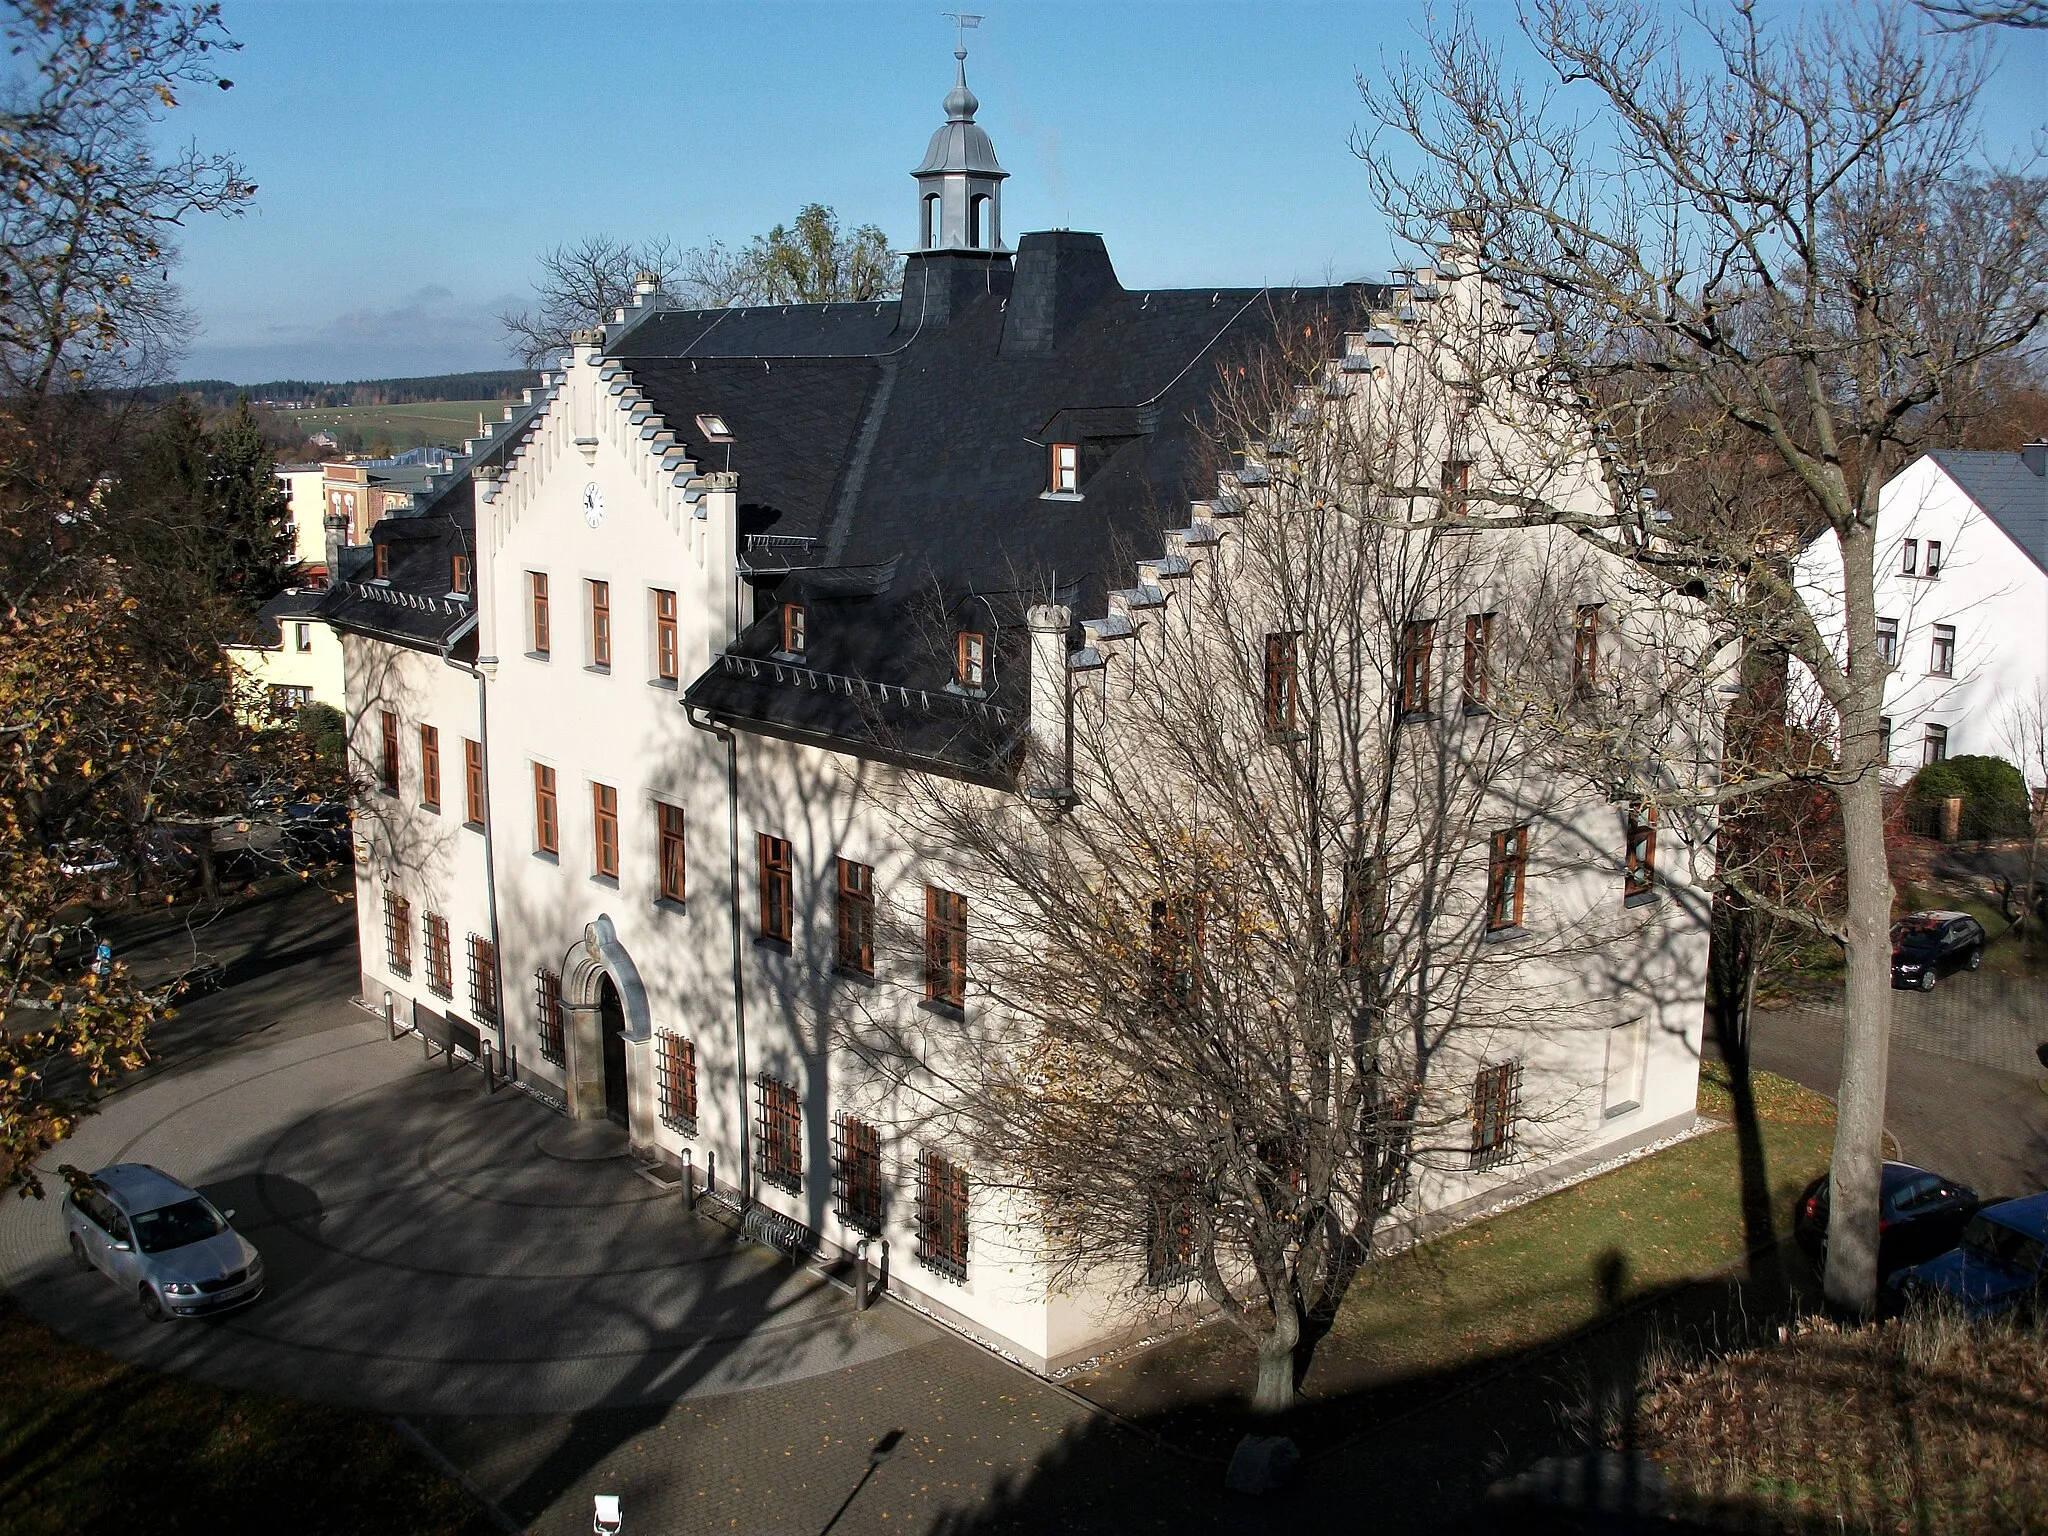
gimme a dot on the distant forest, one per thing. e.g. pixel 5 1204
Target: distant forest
pixel 219 394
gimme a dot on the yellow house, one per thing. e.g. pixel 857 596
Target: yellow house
pixel 307 484
pixel 293 659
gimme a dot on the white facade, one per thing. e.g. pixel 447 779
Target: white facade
pixel 1972 633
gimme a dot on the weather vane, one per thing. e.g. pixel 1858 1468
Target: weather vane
pixel 966 21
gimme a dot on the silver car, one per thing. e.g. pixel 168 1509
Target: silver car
pixel 161 1241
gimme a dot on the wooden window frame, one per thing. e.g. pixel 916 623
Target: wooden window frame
pixel 1507 879
pixel 1478 672
pixel 1362 913
pixel 1586 649
pixel 945 947
pixel 540 627
pixel 302 638
pixel 380 562
pixel 1933 564
pixel 1941 659
pixel 440 955
pixel 671 846
pixel 1933 745
pixel 855 947
pixel 483 979
pixel 779 1133
pixel 777 877
pixel 675 1073
pixel 599 594
pixel 387 766
pixel 458 575
pixel 398 934
pixel 604 831
pixel 1418 649
pixel 547 812
pixel 473 782
pixel 1640 834
pixel 1496 1106
pixel 1170 1233
pixel 1173 956
pixel 970 660
pixel 943 1210
pixel 1888 641
pixel 547 1015
pixel 795 630
pixel 1282 698
pixel 430 768
pixel 1456 486
pixel 1065 479
pixel 857 1188
pixel 1909 557
pixel 667 657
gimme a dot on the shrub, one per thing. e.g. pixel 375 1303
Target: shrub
pixel 1993 792
pixel 324 726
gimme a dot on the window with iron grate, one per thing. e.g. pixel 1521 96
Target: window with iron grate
pixel 547 1015
pixel 1496 1100
pixel 857 1174
pixel 675 1068
pixel 942 1215
pixel 1170 1233
pixel 440 956
pixel 483 979
pixel 398 934
pixel 779 1135
pixel 1283 683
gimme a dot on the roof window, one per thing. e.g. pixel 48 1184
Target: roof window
pixel 793 630
pixel 1066 469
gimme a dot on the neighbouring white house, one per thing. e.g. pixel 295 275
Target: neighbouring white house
pixel 624 686
pixel 1962 601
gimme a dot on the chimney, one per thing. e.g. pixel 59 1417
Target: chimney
pixel 2035 457
pixel 1061 275
pixel 1048 771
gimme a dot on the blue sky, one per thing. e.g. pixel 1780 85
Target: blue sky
pixel 414 155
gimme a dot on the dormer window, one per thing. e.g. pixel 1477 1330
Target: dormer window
pixel 381 562
pixel 970 660
pixel 1066 469
pixel 458 575
pixel 793 629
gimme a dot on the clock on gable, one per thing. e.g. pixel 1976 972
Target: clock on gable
pixel 593 504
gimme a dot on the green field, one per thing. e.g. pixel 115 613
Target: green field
pixel 386 428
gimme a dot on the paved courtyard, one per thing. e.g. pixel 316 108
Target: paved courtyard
pixel 431 1249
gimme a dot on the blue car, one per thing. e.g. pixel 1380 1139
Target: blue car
pixel 2001 1264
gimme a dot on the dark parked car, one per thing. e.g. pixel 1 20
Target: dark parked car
pixel 1919 1214
pixel 2000 1265
pixel 317 832
pixel 1927 946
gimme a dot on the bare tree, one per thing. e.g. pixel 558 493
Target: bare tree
pixel 586 282
pixel 1988 13
pixel 1255 968
pixel 2026 738
pixel 1799 249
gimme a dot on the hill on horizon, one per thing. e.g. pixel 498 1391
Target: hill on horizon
pixel 220 394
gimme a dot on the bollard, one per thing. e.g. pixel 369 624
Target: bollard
pixel 689 1182
pixel 860 1276
pixel 710 1172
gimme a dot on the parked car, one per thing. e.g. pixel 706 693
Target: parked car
pixel 1919 1214
pixel 317 832
pixel 161 1241
pixel 1929 945
pixel 2000 1265
pixel 81 856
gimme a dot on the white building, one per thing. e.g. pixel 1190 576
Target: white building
pixel 623 684
pixel 1962 600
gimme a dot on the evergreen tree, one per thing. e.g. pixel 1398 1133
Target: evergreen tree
pixel 250 511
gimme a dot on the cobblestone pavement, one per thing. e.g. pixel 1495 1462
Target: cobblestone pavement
pixel 431 1249
pixel 1986 1018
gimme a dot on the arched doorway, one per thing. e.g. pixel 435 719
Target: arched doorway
pixel 611 1023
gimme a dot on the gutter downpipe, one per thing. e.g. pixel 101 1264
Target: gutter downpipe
pixel 707 722
pixel 483 730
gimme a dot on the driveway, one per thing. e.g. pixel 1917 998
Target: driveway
pixel 432 1249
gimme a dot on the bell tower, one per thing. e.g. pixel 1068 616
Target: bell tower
pixel 960 185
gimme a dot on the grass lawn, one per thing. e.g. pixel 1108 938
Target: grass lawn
pixel 1505 1285
pixel 88 1443
pixel 445 422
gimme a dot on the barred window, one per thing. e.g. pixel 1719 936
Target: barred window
pixel 675 1069
pixel 483 979
pixel 1170 1233
pixel 856 918
pixel 945 947
pixel 547 1015
pixel 440 956
pixel 779 1137
pixel 857 1174
pixel 1496 1099
pixel 398 934
pixel 942 1215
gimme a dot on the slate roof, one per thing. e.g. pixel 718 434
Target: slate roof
pixel 2009 488
pixel 292 603
pixel 892 459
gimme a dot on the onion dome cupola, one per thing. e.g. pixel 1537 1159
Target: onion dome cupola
pixel 960 185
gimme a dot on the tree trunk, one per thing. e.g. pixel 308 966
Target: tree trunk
pixel 1851 1281
pixel 1275 1392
